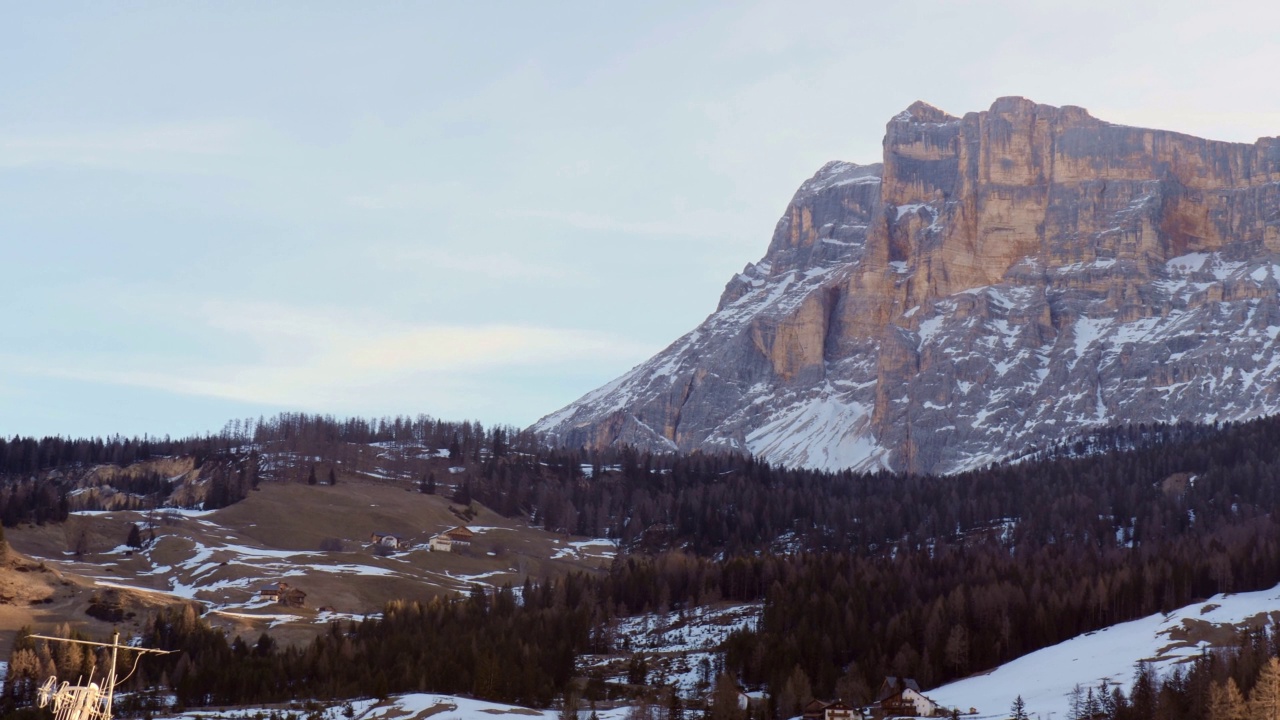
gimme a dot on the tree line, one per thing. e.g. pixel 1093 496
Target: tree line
pixel 861 575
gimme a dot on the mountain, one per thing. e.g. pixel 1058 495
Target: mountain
pixel 1002 281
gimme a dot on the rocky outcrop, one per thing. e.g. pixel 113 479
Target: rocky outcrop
pixel 1002 281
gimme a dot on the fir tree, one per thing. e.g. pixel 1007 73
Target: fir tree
pixel 1106 700
pixel 724 700
pixel 1018 710
pixel 135 537
pixel 1143 698
pixel 675 710
pixel 1092 705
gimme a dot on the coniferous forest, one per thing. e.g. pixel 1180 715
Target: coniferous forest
pixel 861 575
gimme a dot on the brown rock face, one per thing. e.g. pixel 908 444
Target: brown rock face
pixel 1004 280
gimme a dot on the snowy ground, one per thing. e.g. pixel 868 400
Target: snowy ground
pixel 680 648
pixel 413 706
pixel 216 565
pixel 599 548
pixel 1046 677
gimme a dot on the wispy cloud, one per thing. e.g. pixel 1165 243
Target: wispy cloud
pixel 338 361
pixel 127 146
pixel 503 266
pixel 409 196
pixel 681 223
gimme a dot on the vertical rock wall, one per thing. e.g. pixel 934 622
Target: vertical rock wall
pixel 1001 281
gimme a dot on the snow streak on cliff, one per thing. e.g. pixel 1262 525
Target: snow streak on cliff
pixel 1002 281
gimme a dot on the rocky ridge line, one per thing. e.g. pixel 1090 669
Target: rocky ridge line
pixel 1000 282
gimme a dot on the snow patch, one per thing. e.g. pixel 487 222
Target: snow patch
pixel 1045 678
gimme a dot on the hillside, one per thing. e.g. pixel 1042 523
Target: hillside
pixel 41 594
pixel 221 558
pixel 1046 678
pixel 1001 281
pixel 780 577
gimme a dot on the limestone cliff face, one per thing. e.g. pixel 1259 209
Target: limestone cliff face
pixel 1002 281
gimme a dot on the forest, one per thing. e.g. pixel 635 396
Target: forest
pixel 860 576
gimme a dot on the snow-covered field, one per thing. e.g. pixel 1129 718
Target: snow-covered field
pixel 1046 677
pixel 400 707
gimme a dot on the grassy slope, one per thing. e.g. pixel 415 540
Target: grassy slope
pixel 221 558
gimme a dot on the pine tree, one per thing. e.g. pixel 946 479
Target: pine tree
pixel 796 693
pixel 569 711
pixel 1106 700
pixel 957 649
pixel 1143 697
pixel 1092 708
pixel 1075 703
pixel 135 537
pixel 1264 701
pixel 1226 702
pixel 852 687
pixel 1018 710
pixel 311 478
pixel 637 670
pixel 724 700
pixel 675 710
pixel 333 476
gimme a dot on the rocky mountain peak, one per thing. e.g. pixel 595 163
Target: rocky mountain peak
pixel 1000 281
pixel 922 112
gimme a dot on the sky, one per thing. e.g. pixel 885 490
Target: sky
pixel 479 210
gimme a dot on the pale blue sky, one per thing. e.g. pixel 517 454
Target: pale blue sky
pixel 477 210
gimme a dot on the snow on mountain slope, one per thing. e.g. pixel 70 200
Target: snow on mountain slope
pixel 736 402
pixel 1001 282
pixel 1045 678
pixel 411 706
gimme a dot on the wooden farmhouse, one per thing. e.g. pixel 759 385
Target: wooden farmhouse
pixel 833 710
pixel 284 594
pixel 902 697
pixel 458 538
pixel 387 540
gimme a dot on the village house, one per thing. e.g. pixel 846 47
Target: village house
pixel 387 540
pixel 902 696
pixel 282 593
pixel 458 538
pixel 833 710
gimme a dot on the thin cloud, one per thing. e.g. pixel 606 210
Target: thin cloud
pixel 698 223
pixel 491 265
pixel 116 147
pixel 301 358
pixel 410 196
